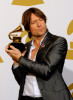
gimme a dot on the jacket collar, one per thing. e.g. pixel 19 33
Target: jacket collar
pixel 45 41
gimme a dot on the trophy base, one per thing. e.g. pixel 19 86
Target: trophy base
pixel 19 46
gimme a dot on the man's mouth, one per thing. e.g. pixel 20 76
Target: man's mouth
pixel 41 29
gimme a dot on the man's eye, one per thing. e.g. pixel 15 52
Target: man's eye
pixel 41 19
pixel 33 22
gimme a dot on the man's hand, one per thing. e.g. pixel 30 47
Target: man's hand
pixel 14 53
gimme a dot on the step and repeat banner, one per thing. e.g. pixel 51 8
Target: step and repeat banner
pixel 59 22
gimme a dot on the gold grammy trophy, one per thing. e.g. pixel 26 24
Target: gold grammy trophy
pixel 16 39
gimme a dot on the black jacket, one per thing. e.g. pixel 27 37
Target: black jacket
pixel 47 68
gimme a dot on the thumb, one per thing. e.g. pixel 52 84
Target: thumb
pixel 23 53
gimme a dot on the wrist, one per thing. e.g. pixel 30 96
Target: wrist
pixel 19 58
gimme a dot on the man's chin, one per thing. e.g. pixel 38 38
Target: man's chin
pixel 39 35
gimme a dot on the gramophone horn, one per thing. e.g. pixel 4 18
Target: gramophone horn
pixel 18 29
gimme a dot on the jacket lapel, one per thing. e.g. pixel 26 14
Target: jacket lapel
pixel 28 45
pixel 44 45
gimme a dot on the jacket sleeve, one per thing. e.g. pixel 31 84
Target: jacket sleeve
pixel 18 74
pixel 52 59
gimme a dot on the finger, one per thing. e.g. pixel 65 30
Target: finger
pixel 13 48
pixel 23 53
pixel 10 51
pixel 6 48
pixel 10 54
pixel 25 48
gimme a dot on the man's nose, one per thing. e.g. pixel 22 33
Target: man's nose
pixel 38 23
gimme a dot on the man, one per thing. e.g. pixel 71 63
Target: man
pixel 38 70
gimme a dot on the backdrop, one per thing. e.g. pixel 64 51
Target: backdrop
pixel 59 22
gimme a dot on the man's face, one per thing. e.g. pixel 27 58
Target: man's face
pixel 37 26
